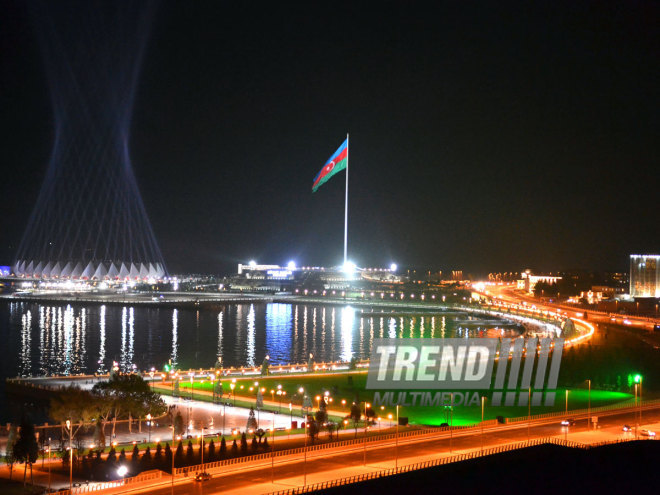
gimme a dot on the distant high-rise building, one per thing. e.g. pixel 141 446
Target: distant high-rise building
pixel 644 275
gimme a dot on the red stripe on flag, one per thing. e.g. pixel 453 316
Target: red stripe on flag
pixel 325 170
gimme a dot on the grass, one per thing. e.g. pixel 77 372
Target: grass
pixel 351 387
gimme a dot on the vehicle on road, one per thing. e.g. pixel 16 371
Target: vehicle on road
pixel 626 428
pixel 647 433
pixel 568 422
pixel 202 477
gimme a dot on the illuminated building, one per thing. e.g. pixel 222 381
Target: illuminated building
pixel 644 275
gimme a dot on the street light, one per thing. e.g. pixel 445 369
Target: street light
pixel 48 465
pixel 192 385
pixel 566 414
pixel 68 425
pixel 149 425
pixel 639 379
pixel 589 407
pixel 121 471
pixel 172 452
pixel 232 386
pixel 483 402
pixel 366 406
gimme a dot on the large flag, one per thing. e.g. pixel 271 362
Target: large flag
pixel 334 165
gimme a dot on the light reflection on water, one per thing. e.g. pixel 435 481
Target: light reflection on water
pixel 72 339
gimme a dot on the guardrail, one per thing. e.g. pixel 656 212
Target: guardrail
pixel 439 462
pixel 648 404
pixel 150 475
pixel 407 434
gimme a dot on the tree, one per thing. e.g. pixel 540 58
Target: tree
pixel 322 414
pixel 178 455
pixel 218 391
pixel 244 446
pixel 175 390
pixel 211 453
pixel 145 462
pixel 10 458
pixel 190 454
pixel 128 395
pixel 135 459
pixel 26 448
pixel 260 433
pixel 111 459
pixel 264 366
pixel 234 448
pixel 255 444
pixel 168 457
pixel 99 435
pixel 313 429
pixel 355 416
pixel 223 448
pixel 179 428
pixel 122 457
pixel 75 405
pixel 158 456
pixel 251 421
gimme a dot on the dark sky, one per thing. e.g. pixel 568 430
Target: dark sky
pixel 485 136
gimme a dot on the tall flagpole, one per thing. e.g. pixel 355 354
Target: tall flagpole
pixel 346 208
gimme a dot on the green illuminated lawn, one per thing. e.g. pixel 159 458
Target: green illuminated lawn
pixel 351 387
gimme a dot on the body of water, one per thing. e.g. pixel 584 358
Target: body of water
pixel 54 339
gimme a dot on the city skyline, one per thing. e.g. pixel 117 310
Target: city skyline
pixel 470 150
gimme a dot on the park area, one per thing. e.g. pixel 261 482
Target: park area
pixel 342 389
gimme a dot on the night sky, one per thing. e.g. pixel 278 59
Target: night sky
pixel 485 136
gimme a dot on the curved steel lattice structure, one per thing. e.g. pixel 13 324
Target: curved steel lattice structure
pixel 89 220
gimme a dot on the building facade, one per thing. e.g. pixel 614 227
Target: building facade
pixel 644 275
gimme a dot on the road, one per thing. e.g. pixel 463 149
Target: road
pixel 329 464
pixel 508 294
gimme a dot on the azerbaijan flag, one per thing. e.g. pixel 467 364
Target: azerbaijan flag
pixel 334 165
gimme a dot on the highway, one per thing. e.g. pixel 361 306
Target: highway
pixel 264 477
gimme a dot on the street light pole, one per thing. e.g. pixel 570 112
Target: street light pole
pixel 48 465
pixel 202 445
pixel 451 423
pixel 366 405
pixel 69 425
pixel 149 424
pixel 172 452
pixel 272 455
pixel 482 422
pixel 305 450
pixel 529 411
pixel 566 415
pixel 396 448
pixel 589 408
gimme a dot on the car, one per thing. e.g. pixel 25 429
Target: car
pixel 647 433
pixel 202 477
pixel 568 422
pixel 626 428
